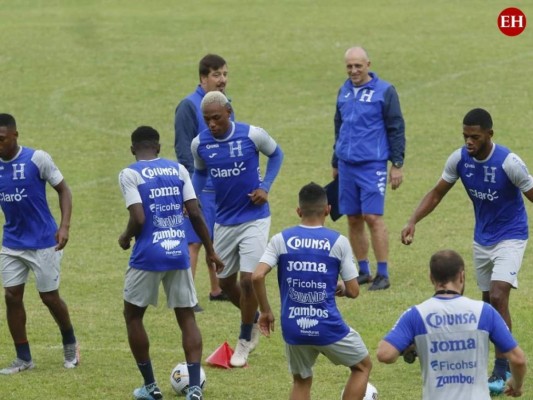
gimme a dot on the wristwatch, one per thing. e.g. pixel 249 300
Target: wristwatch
pixel 398 164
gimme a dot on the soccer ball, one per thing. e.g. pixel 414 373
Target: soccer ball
pixel 179 378
pixel 371 392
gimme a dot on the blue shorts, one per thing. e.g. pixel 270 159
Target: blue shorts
pixel 207 202
pixel 362 187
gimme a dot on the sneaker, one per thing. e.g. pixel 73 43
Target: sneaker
pixel 497 383
pixel 149 392
pixel 239 357
pixel 197 308
pixel 364 278
pixel 72 355
pixel 219 297
pixel 379 283
pixel 256 334
pixel 17 366
pixel 195 393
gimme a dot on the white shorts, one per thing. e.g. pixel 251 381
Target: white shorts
pixel 45 264
pixel 500 262
pixel 348 351
pixel 241 246
pixel 141 288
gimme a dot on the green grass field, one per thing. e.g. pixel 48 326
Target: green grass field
pixel 79 76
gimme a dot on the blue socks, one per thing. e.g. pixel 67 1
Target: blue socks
pixel 23 351
pixel 246 331
pixel 68 336
pixel 364 267
pixel 147 372
pixel 194 374
pixel 501 366
pixel 383 269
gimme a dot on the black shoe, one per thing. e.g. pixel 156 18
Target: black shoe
pixel 380 283
pixel 197 308
pixel 219 297
pixel 364 278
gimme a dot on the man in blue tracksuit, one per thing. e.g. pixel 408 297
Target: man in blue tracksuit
pixel 188 123
pixel 369 131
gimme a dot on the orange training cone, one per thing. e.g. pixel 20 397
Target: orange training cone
pixel 221 356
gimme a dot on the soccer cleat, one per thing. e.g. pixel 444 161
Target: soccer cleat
pixel 72 355
pixel 497 383
pixel 195 393
pixel 197 308
pixel 148 392
pixel 240 356
pixel 17 366
pixel 364 278
pixel 380 283
pixel 256 334
pixel 219 297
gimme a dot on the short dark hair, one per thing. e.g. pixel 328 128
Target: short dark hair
pixel 8 121
pixel 444 265
pixel 210 62
pixel 478 116
pixel 312 199
pixel 145 135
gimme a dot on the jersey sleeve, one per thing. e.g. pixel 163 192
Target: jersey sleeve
pixel 199 164
pixel 517 172
pixel 275 247
pixel 499 334
pixel 47 168
pixel 129 180
pixel 450 173
pixel 262 140
pixel 402 335
pixel 188 189
pixel 343 251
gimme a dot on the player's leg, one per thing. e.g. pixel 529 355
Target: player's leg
pixel 350 205
pixel 140 290
pixel 351 351
pixel 46 264
pixel 372 181
pixel 227 248
pixel 181 296
pixel 252 238
pixel 301 360
pixel 14 276
pixel 507 258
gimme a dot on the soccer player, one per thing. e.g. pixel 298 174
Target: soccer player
pixel 309 259
pixel 188 122
pixel 369 131
pixel 494 179
pixel 32 241
pixel 228 152
pixel 451 335
pixel 156 191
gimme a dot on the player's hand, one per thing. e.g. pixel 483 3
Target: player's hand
pixel 61 238
pixel 395 177
pixel 511 390
pixel 408 234
pixel 124 242
pixel 215 262
pixel 334 172
pixel 258 197
pixel 341 289
pixel 266 323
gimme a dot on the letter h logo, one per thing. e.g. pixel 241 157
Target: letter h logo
pixel 18 171
pixel 235 148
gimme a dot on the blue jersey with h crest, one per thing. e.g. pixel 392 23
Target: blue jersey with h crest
pixel 307 278
pixel 232 164
pixel 498 204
